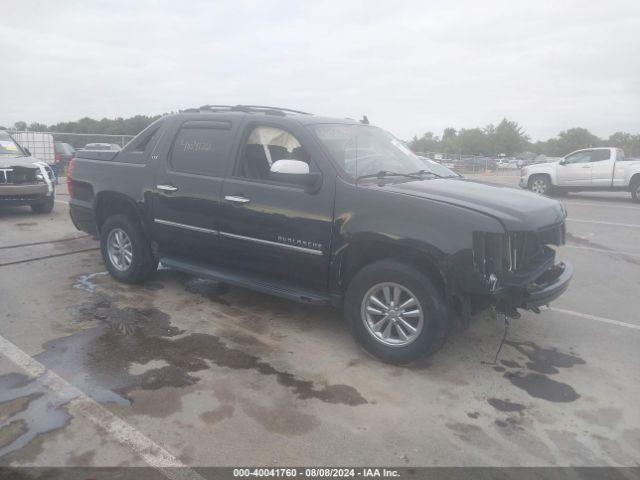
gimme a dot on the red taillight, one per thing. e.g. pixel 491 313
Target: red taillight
pixel 70 168
pixel 58 157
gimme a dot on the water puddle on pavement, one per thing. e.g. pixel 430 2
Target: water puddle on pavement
pixel 130 349
pixel 534 379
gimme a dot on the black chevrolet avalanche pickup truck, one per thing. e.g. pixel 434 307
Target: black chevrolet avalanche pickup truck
pixel 323 211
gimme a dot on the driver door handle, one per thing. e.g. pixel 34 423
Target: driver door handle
pixel 236 199
pixel 167 188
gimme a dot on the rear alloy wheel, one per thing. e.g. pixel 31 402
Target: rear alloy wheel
pixel 540 185
pixel 120 249
pixel 125 250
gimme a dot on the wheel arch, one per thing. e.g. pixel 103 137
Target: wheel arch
pixel 533 176
pixel 369 249
pixel 363 253
pixel 109 203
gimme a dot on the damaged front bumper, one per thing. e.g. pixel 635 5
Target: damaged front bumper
pixel 552 283
pixel 550 286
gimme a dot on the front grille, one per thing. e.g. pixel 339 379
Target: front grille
pixel 18 175
pixel 6 175
pixel 527 250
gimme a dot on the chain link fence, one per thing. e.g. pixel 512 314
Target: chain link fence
pixel 44 141
pixel 58 148
pixel 477 164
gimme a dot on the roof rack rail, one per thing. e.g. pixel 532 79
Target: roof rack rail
pixel 244 108
pixel 263 107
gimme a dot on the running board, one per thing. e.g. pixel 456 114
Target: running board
pixel 252 281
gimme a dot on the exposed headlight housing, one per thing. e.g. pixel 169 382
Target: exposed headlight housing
pixel 490 250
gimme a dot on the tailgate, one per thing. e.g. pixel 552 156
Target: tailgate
pixel 104 155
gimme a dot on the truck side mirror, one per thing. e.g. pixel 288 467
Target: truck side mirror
pixel 295 172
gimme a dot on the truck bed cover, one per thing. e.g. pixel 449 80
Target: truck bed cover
pixel 105 155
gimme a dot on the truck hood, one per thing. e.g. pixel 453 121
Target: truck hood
pixel 8 161
pixel 541 167
pixel 517 210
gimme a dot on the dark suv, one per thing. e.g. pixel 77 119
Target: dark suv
pixel 323 211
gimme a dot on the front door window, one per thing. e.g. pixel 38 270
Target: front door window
pixel 263 147
pixel 578 157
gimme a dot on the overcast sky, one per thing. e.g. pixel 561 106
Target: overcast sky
pixel 410 66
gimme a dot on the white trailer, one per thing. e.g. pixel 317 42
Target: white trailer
pixel 40 145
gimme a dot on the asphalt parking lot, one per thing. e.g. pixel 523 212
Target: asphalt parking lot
pixel 180 372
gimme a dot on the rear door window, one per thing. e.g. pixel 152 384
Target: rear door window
pixel 599 155
pixel 147 141
pixel 202 148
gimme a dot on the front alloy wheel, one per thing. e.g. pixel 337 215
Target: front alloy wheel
pixel 392 314
pixel 395 312
pixel 539 185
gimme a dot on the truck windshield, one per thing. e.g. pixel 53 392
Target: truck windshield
pixel 8 146
pixel 366 150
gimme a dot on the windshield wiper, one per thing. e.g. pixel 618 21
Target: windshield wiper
pixel 386 173
pixel 427 172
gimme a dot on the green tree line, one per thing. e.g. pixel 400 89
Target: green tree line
pixel 106 126
pixel 124 127
pixel 510 139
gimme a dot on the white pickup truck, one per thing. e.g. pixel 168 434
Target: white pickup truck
pixel 604 169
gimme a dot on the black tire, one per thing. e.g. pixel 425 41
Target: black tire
pixel 45 206
pixel 435 321
pixel 635 190
pixel 540 184
pixel 143 264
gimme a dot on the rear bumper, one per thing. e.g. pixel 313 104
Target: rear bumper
pixel 83 218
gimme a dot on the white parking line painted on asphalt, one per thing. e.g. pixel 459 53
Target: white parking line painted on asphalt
pixel 608 205
pixel 594 317
pixel 61 201
pixel 152 453
pixel 598 222
pixel 602 250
